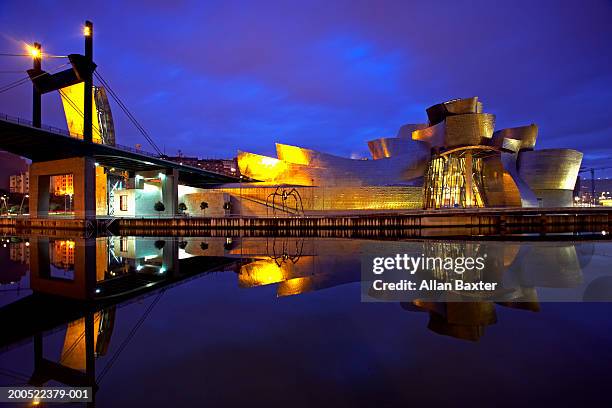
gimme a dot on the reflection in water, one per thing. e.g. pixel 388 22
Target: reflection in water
pixel 77 283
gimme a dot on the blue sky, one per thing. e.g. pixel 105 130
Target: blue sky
pixel 210 78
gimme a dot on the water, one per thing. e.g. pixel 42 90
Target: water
pixel 230 321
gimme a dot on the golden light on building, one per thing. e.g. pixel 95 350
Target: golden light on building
pixel 294 286
pixel 455 180
pixel 62 185
pixel 292 154
pixel 86 31
pixel 62 253
pixel 261 272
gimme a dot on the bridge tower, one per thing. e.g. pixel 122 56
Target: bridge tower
pixel 83 170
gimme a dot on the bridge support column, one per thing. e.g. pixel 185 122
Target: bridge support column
pixel 84 182
pixel 169 187
pixel 44 250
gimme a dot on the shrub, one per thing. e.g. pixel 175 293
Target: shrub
pixel 159 206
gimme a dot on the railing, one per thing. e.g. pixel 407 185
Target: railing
pixel 66 133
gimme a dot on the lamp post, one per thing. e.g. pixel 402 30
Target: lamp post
pixel 4 205
pixel 22 200
pixel 36 53
pixel 240 213
pixel 87 103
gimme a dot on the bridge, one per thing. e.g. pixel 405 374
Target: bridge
pixel 106 177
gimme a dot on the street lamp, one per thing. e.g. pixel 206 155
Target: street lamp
pixel 34 50
pixel 21 206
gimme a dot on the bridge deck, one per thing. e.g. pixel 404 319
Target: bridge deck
pixel 18 136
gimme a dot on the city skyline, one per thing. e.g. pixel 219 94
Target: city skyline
pixel 328 77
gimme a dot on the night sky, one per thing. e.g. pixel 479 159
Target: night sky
pixel 210 78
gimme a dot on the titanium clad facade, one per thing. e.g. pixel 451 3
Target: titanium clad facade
pixel 456 160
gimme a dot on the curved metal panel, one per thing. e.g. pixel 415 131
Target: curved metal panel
pixel 527 196
pixel 105 116
pixel 459 130
pixel 405 131
pixel 394 146
pixel 550 169
pixel 526 134
pixel 433 135
pixel 310 167
pixel 437 113
pixel 470 129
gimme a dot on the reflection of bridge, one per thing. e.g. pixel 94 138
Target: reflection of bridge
pixel 109 271
pixel 86 300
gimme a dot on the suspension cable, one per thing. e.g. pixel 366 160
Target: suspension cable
pixel 129 337
pixel 130 116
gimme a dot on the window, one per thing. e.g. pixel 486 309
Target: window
pixel 123 203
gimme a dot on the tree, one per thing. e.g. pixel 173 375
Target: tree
pixel 159 207
pixel 203 205
pixel 160 244
pixel 182 207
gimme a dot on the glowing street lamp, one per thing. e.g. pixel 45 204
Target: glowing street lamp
pixel 22 200
pixel 34 50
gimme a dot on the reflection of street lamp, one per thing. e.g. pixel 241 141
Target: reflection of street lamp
pixel 70 202
pixel 21 206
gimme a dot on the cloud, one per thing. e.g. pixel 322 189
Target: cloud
pixel 213 77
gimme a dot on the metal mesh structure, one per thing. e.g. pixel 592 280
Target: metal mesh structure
pixel 455 178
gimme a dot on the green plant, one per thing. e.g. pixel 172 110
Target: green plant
pixel 203 205
pixel 182 207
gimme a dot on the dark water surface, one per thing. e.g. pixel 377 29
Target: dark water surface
pixel 269 322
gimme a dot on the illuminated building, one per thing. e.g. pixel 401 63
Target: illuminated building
pixel 62 254
pixel 221 166
pixel 455 160
pixel 20 183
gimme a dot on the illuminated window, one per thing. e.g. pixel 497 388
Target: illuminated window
pixel 123 203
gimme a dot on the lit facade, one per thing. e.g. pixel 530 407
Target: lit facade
pixel 455 160
pixel 20 183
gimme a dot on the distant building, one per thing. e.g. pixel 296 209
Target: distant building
pixel 20 252
pixel 20 183
pixel 222 166
pixel 10 164
pixel 602 187
pixel 62 185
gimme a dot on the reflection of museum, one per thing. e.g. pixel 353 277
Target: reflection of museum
pixel 455 160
